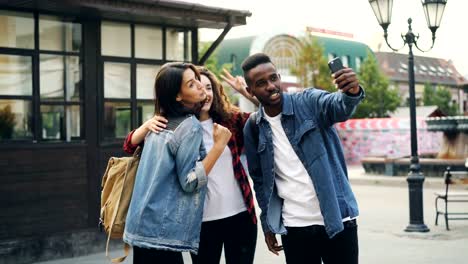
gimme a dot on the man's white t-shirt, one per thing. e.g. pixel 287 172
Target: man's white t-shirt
pixel 300 203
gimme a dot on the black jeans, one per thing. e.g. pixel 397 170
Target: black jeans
pixel 155 256
pixel 238 235
pixel 312 245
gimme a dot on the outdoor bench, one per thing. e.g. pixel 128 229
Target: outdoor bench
pixel 450 196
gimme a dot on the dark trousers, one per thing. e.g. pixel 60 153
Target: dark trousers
pixel 238 235
pixel 155 256
pixel 312 245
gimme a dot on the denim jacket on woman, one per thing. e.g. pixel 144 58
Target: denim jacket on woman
pixel 167 203
pixel 307 119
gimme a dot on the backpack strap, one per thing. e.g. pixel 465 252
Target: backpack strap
pixel 136 155
pixel 119 259
pixel 253 127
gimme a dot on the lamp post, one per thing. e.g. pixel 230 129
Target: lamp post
pixel 433 10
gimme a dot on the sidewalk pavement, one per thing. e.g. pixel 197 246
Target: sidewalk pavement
pixel 357 175
pixel 384 214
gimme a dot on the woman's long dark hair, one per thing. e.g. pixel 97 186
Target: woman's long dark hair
pixel 167 85
pixel 221 109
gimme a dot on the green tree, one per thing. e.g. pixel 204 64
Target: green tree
pixel 312 68
pixel 380 100
pixel 212 65
pixel 441 97
pixel 212 61
pixel 7 122
pixel 428 94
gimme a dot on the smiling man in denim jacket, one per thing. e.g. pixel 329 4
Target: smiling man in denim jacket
pixel 297 165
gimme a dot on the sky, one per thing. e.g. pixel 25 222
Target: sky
pixel 355 17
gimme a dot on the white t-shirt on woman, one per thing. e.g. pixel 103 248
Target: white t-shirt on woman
pixel 224 197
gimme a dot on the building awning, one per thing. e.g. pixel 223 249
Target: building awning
pixel 162 12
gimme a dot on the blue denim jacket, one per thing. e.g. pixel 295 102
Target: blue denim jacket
pixel 167 204
pixel 307 120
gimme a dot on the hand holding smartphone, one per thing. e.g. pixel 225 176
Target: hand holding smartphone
pixel 335 65
pixel 347 80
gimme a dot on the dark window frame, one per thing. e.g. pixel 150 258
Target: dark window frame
pixel 34 98
pixel 133 61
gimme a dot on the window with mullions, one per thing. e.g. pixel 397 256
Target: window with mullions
pixel 132 55
pixel 177 46
pixel 146 75
pixel 49 109
pixel 59 79
pixel 15 97
pixel 16 76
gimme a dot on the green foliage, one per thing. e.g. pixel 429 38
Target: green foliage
pixel 122 124
pixel 51 124
pixel 212 61
pixel 440 97
pixel 380 100
pixel 7 122
pixel 312 68
pixel 212 65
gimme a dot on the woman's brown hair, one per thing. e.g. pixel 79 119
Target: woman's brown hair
pixel 167 85
pixel 221 109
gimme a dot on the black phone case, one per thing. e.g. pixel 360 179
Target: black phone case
pixel 335 65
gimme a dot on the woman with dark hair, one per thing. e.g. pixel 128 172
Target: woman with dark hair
pixel 165 214
pixel 229 218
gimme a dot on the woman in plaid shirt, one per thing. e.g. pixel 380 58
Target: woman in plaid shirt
pixel 229 218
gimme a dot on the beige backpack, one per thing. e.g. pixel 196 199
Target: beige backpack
pixel 117 188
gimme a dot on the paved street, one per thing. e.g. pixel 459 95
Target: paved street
pixel 383 216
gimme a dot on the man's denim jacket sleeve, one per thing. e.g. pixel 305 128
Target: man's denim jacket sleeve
pixel 331 107
pixel 255 171
pixel 188 149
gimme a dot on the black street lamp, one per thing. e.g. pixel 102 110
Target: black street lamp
pixel 433 10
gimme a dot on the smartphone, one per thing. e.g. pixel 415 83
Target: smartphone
pixel 335 65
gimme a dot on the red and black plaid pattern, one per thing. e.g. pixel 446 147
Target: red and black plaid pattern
pixel 128 147
pixel 236 145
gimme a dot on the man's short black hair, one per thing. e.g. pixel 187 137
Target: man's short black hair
pixel 253 61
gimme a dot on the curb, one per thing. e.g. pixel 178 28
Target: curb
pixel 398 181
